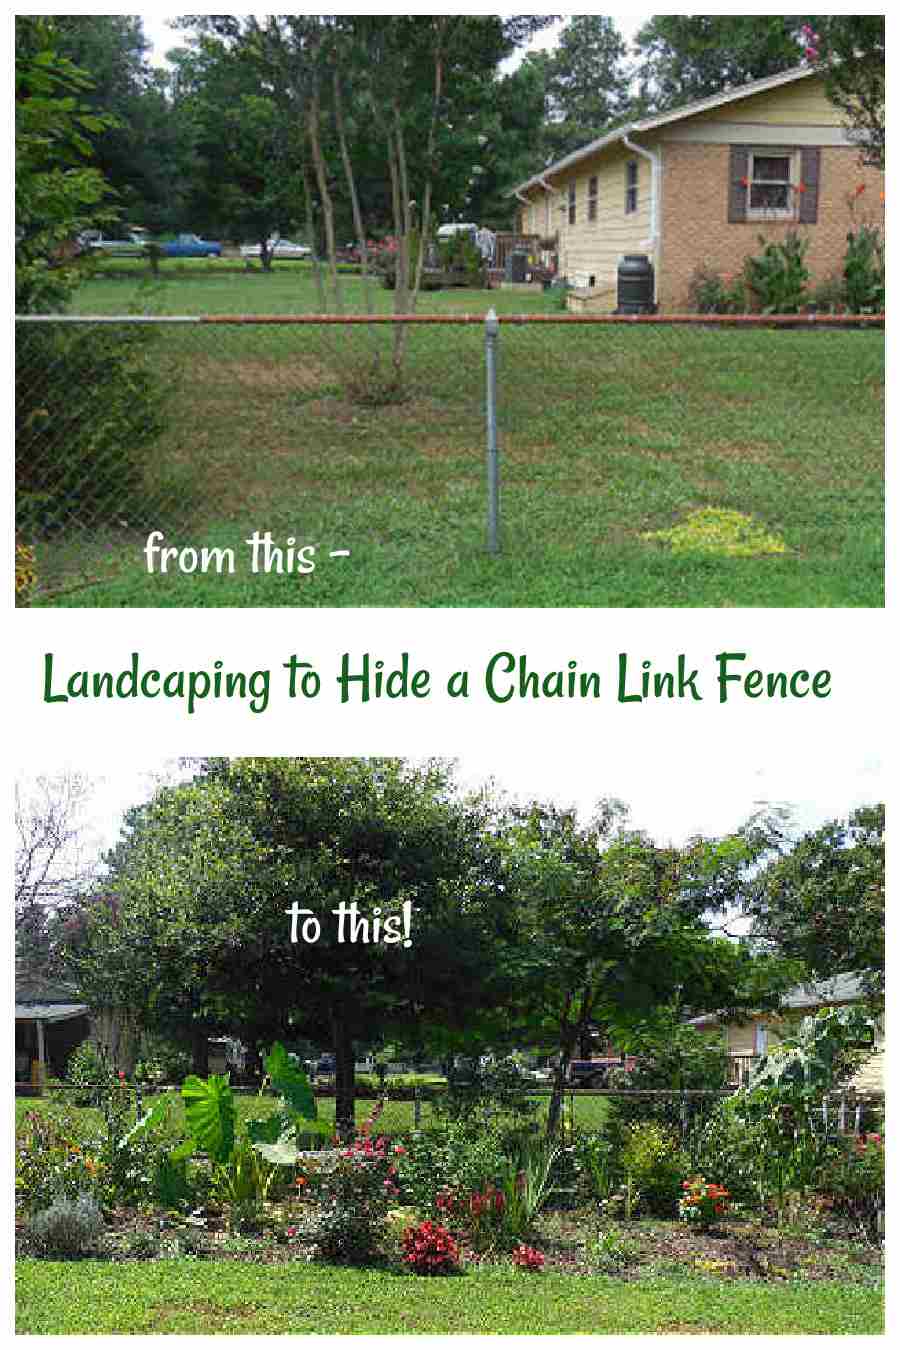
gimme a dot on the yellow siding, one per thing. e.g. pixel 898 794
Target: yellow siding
pixel 801 104
pixel 595 248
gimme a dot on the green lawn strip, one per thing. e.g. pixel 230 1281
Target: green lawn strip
pixel 397 1118
pixel 607 436
pixel 206 1297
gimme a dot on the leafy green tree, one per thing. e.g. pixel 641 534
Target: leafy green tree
pixel 204 888
pixel 141 149
pixel 820 898
pixel 683 57
pixel 58 192
pixel 613 926
pixel 588 87
pixel 850 49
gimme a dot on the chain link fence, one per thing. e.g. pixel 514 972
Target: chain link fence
pixel 204 430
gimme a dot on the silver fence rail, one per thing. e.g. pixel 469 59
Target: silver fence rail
pixel 200 428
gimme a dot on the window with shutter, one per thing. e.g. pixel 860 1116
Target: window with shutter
pixel 773 183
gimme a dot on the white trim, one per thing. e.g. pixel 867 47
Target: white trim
pixel 728 96
pixel 743 133
pixel 651 123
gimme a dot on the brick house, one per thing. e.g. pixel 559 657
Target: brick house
pixel 698 186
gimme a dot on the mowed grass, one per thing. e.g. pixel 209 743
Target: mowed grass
pixel 607 435
pixel 397 1118
pixel 210 1298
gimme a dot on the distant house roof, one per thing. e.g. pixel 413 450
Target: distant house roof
pixel 49 1012
pixel 819 994
pixel 651 123
pixel 41 999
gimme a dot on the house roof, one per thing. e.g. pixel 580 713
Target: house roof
pixel 651 123
pixel 821 993
pixel 49 1012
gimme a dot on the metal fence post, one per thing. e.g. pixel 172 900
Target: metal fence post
pixel 491 337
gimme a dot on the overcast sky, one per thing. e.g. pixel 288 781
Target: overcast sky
pixel 163 38
pixel 669 804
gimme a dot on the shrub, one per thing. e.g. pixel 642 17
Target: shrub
pixel 528 1258
pixel 142 1246
pixel 703 1203
pixel 453 1159
pixel 355 1193
pixel 69 1227
pixel 654 1164
pixel 778 278
pixel 852 1180
pixel 90 1069
pixel 710 293
pixel 51 1164
pixel 829 294
pixel 864 270
pixel 429 1249
pixel 87 406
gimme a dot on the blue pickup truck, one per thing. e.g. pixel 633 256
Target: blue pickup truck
pixel 191 246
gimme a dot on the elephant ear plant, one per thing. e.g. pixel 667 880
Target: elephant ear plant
pixel 245 1164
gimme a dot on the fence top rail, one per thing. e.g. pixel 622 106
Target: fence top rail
pixel 595 320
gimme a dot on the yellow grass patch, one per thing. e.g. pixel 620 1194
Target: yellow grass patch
pixel 722 534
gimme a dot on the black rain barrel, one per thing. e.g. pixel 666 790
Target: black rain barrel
pixel 516 266
pixel 637 285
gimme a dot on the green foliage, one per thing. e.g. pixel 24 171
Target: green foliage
pixel 852 1178
pixel 51 1163
pixel 864 271
pixel 209 1109
pixel 69 1227
pixel 355 1191
pixel 90 1069
pixel 820 898
pixel 850 51
pixel 57 195
pixel 778 277
pixel 692 56
pixel 767 1141
pixel 710 293
pixel 88 405
pixel 653 1163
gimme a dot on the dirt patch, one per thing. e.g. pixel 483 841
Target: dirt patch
pixel 303 375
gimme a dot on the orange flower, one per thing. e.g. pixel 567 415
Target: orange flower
pixel 861 189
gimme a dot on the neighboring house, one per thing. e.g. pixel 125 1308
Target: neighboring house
pixel 748 1041
pixel 50 1023
pixel 696 187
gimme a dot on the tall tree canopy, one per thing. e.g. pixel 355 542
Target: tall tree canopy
pixel 820 898
pixel 199 933
pixel 588 85
pixel 850 50
pixel 683 57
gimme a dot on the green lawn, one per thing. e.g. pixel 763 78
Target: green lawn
pixel 607 435
pixel 210 1298
pixel 397 1117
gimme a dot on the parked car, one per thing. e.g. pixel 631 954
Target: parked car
pixel 191 246
pixel 593 1073
pixel 131 244
pixel 280 248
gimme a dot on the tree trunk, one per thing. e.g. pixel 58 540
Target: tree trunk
pixel 344 1078
pixel 200 1049
pixel 567 1045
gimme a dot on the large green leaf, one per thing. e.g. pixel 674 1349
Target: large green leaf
pixel 209 1107
pixel 148 1122
pixel 290 1082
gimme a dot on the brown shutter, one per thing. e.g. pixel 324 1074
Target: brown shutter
pixel 738 195
pixel 809 173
